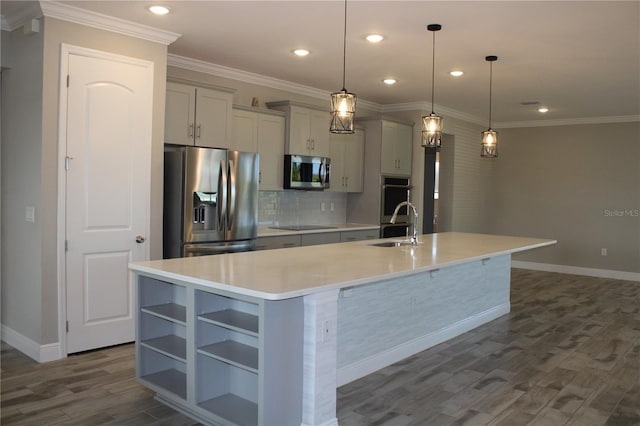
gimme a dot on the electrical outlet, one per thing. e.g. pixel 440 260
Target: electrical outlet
pixel 603 251
pixel 326 330
pixel 331 206
pixel 322 207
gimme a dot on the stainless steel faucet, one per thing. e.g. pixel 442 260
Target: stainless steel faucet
pixel 414 238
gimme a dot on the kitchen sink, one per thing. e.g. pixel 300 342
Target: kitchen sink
pixel 391 244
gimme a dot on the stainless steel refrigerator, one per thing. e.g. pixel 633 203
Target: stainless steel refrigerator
pixel 210 201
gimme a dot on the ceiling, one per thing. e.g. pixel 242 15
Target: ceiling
pixel 579 58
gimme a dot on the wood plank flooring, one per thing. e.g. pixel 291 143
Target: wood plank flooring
pixel 567 354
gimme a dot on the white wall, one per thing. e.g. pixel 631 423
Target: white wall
pixel 567 183
pixel 22 255
pixel 30 129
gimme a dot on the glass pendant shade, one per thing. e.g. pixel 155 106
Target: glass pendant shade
pixel 431 131
pixel 343 109
pixel 489 144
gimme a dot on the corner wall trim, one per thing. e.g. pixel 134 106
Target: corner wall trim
pixel 35 351
pixel 576 270
pixel 363 367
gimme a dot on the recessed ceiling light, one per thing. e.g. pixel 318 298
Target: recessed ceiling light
pixel 374 38
pixel 543 109
pixel 456 73
pixel 301 52
pixel 159 10
pixel 389 81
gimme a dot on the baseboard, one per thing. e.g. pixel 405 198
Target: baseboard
pixel 576 270
pixel 368 365
pixel 35 351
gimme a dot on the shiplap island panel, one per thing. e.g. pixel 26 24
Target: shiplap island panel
pixel 266 337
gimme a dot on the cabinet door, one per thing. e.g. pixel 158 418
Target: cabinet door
pixel 276 242
pixel 213 118
pixel 271 150
pixel 404 149
pixel 179 114
pixel 319 133
pixel 319 238
pixel 299 131
pixel 337 156
pixel 388 159
pixel 244 131
pixel 354 162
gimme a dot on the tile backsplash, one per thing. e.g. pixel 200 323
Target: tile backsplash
pixel 292 207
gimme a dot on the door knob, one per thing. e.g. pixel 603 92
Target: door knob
pixel 139 239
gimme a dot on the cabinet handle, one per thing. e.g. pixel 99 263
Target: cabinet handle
pixel 198 131
pixel 308 144
pixel 191 130
pixel 260 176
pixel 346 181
pixel 313 144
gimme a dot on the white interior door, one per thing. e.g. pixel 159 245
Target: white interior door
pixel 108 149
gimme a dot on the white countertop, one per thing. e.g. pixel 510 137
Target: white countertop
pixel 292 272
pixel 268 231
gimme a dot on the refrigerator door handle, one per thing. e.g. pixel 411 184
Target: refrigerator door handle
pixel 222 196
pixel 231 194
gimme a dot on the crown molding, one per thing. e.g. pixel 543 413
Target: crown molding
pixel 17 16
pixel 65 12
pixel 569 121
pixel 426 106
pixel 261 80
pixel 253 78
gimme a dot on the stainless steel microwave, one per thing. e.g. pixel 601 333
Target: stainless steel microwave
pixel 304 172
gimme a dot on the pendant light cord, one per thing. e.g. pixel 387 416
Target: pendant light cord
pixel 490 89
pixel 433 71
pixel 344 49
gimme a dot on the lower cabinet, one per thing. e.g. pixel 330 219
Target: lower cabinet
pixel 315 238
pixel 367 234
pixel 204 351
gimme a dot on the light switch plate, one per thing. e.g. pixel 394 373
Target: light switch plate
pixel 30 214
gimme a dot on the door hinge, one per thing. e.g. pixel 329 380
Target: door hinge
pixel 67 326
pixel 67 80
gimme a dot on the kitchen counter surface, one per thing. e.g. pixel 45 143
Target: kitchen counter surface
pixel 286 273
pixel 270 231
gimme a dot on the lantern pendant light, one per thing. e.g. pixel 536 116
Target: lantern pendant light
pixel 432 123
pixel 343 103
pixel 490 136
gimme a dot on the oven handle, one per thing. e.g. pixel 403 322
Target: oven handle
pixel 385 186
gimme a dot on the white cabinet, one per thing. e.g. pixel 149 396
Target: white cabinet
pixel 314 239
pixel 347 159
pixel 396 149
pixel 204 352
pixel 244 130
pixel 307 129
pixel 277 241
pixel 197 116
pixel 361 235
pixel 262 132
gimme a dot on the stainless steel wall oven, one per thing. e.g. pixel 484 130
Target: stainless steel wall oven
pixel 394 191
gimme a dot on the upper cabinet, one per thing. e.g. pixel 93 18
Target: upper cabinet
pixel 307 130
pixel 197 116
pixel 347 159
pixel 396 148
pixel 262 132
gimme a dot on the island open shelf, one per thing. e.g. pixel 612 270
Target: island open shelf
pixel 265 338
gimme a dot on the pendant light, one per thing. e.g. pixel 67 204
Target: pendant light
pixel 343 103
pixel 432 123
pixel 490 136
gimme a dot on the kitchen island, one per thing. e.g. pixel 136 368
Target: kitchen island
pixel 266 337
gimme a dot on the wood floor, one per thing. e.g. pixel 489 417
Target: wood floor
pixel 568 354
